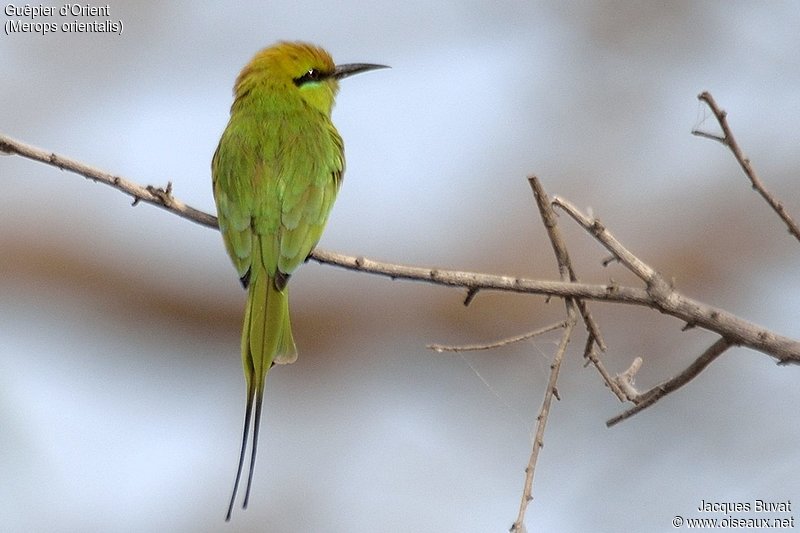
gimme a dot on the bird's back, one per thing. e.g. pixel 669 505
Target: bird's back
pixel 276 174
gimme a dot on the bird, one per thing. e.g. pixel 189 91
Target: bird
pixel 276 172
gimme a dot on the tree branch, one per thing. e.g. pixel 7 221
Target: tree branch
pixel 729 140
pixel 648 398
pixel 151 195
pixel 544 412
pixel 663 297
pixel 567 274
pixel 439 348
pixel 566 271
pixel 738 330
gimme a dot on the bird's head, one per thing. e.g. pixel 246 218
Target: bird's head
pixel 296 69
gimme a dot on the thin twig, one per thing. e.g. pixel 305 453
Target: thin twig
pixel 151 195
pixel 567 274
pixel 729 140
pixel 541 420
pixel 562 256
pixel 591 356
pixel 472 292
pixel 625 381
pixel 593 225
pixel 496 344
pixel 551 225
pixel 648 398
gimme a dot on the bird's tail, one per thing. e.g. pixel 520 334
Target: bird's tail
pixel 266 340
pixel 267 333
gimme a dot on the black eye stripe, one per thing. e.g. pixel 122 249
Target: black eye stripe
pixel 311 75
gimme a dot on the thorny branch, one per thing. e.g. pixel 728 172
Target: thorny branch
pixel 646 399
pixel 567 274
pixel 544 412
pixel 657 294
pixel 497 344
pixel 727 139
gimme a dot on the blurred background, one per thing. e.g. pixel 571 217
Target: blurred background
pixel 121 389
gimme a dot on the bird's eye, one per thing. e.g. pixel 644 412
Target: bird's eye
pixel 311 75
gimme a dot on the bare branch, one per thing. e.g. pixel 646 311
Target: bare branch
pixel 738 330
pixel 562 256
pixel 497 344
pixel 664 298
pixel 573 306
pixel 593 225
pixel 468 280
pixel 541 420
pixel 565 264
pixel 625 381
pixel 612 384
pixel 151 195
pixel 648 398
pixel 729 140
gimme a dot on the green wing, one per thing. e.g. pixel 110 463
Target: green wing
pixel 275 179
pixel 309 188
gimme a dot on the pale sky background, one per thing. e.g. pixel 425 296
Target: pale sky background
pixel 121 390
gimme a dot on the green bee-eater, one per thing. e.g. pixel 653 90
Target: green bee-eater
pixel 276 173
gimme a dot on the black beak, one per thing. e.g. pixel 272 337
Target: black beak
pixel 343 71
